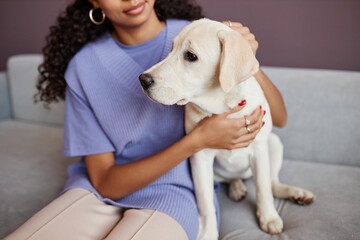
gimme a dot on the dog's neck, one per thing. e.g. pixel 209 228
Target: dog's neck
pixel 216 101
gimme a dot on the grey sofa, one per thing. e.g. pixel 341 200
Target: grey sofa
pixel 321 140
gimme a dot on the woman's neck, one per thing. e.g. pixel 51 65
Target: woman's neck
pixel 139 34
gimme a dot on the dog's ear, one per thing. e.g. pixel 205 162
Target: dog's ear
pixel 237 60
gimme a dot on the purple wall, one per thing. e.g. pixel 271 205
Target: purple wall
pixel 24 25
pixel 291 33
pixel 298 33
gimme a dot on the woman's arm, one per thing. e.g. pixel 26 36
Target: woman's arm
pixel 116 181
pixel 274 98
pixel 272 94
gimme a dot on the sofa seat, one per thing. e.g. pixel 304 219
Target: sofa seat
pixel 334 215
pixel 33 172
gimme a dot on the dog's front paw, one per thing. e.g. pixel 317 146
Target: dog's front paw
pixel 237 190
pixel 302 196
pixel 271 223
pixel 272 226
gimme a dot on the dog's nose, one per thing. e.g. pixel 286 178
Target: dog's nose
pixel 146 81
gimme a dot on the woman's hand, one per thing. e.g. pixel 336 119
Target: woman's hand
pixel 220 132
pixel 245 32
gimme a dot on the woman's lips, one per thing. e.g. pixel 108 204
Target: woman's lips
pixel 135 10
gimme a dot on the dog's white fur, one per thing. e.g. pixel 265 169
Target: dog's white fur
pixel 214 84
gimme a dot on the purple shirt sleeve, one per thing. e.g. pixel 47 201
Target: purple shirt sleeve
pixel 83 134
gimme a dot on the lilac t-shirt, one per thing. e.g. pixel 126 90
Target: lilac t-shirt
pixel 146 54
pixel 106 111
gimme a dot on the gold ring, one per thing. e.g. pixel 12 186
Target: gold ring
pixel 247 122
pixel 248 129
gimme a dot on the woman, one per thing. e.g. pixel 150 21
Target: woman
pixel 133 181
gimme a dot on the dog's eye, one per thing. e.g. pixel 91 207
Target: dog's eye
pixel 190 56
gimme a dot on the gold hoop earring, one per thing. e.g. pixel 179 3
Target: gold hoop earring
pixel 92 18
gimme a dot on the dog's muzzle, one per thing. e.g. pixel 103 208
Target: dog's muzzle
pixel 146 81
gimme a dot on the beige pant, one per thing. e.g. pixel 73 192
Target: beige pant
pixel 78 214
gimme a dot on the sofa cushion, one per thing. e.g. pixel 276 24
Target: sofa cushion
pixel 22 76
pixel 5 110
pixel 32 172
pixel 334 215
pixel 323 112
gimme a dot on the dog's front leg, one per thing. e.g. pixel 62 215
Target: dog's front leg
pixel 202 173
pixel 269 218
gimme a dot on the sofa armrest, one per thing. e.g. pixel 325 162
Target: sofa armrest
pixel 5 107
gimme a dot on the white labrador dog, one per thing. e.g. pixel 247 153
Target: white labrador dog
pixel 210 68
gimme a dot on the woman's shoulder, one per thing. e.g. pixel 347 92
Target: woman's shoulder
pixel 174 26
pixel 177 23
pixel 86 61
pixel 88 51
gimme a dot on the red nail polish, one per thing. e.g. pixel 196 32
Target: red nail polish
pixel 242 103
pixel 260 107
pixel 263 124
pixel 264 112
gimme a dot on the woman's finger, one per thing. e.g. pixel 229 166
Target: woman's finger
pixel 250 37
pixel 242 144
pixel 241 123
pixel 244 30
pixel 239 107
pixel 254 128
pixel 254 117
pixel 247 136
pixel 251 128
pixel 232 24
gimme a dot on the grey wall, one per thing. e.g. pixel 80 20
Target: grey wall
pixel 291 33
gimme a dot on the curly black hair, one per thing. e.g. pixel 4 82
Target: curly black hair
pixel 74 29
